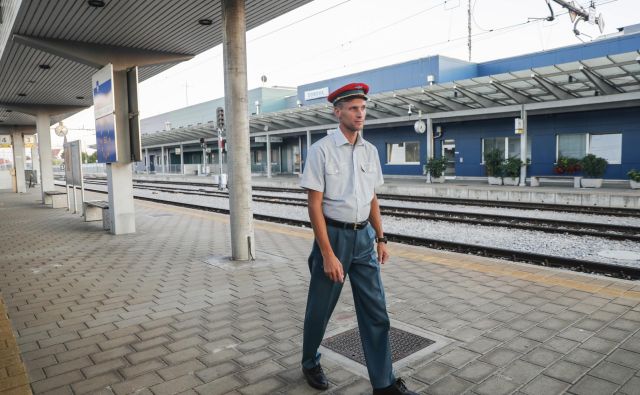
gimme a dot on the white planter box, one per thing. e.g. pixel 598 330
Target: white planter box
pixel 591 182
pixel 511 181
pixel 435 180
pixel 495 180
pixel 634 184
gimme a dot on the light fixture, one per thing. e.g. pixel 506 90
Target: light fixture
pixel 8 110
pixel 409 112
pixel 96 3
pixel 205 22
pixel 44 66
pixel 571 79
pixel 80 97
pixel 22 94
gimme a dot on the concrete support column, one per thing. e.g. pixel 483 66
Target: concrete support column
pixel 44 150
pixel 18 162
pixel 268 157
pixel 236 99
pixel 146 160
pixel 430 142
pixel 523 148
pixel 162 159
pixel 182 159
pixel 308 146
pixel 120 174
pixel 35 161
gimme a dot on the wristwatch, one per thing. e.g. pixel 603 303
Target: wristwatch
pixel 382 239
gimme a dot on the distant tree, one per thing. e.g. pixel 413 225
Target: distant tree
pixel 93 158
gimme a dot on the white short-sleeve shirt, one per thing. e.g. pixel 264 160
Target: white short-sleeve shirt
pixel 346 174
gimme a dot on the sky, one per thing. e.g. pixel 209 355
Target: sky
pixel 330 38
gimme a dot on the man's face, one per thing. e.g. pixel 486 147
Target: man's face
pixel 351 114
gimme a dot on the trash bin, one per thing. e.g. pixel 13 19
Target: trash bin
pixel 216 179
pixel 223 181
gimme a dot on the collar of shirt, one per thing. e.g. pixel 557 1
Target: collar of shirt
pixel 339 138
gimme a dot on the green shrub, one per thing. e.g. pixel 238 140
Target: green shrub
pixel 593 166
pixel 493 160
pixel 511 167
pixel 435 167
pixel 634 175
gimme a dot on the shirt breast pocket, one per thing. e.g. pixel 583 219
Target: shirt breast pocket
pixel 370 176
pixel 335 179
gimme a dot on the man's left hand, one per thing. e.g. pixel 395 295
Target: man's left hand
pixel 383 254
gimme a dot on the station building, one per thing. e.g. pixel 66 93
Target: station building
pixel 574 100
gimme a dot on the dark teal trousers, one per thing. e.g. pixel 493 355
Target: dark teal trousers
pixel 355 249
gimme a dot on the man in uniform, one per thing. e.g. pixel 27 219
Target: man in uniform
pixel 340 175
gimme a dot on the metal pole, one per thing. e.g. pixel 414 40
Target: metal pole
pixel 236 99
pixel 162 159
pixel 523 147
pixel 182 159
pixel 146 155
pixel 430 141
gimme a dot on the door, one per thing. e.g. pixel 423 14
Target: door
pixel 296 159
pixel 449 152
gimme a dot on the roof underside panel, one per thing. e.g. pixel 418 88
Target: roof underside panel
pixel 160 25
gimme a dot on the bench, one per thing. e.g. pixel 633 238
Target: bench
pixel 97 210
pixel 56 199
pixel 535 180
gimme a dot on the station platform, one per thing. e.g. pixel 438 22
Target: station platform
pixel 163 311
pixel 617 194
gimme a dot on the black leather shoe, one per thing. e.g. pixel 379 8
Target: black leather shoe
pixel 315 377
pixel 397 388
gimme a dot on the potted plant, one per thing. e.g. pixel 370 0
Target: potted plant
pixel 593 168
pixel 567 166
pixel 435 168
pixel 634 178
pixel 493 165
pixel 511 171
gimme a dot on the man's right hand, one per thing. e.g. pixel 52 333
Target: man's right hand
pixel 333 268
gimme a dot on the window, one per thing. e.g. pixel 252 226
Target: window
pixel 608 146
pixel 509 145
pixel 572 145
pixel 406 153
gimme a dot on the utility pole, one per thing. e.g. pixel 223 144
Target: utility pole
pixel 469 27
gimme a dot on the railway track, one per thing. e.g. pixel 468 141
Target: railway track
pixel 609 231
pixel 632 273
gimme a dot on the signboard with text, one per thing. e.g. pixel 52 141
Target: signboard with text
pixel 316 93
pixel 5 141
pixel 104 109
pixel 29 141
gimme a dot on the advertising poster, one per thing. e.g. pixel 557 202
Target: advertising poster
pixel 104 109
pixel 29 141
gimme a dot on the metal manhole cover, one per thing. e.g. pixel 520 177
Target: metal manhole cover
pixel 402 344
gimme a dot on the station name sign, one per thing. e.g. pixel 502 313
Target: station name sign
pixel 272 139
pixel 316 93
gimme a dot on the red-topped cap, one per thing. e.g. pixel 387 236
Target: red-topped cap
pixel 355 89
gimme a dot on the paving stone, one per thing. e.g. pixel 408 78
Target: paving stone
pixel 175 371
pixel 626 358
pixel 495 385
pixel 432 372
pixel 458 357
pixel 545 385
pixel 482 345
pixel 94 384
pixel 632 387
pixel 583 357
pixel 56 381
pixel 521 372
pixel 612 372
pixel 136 384
pixel 223 385
pixel 500 356
pixel 560 344
pixel 576 334
pixel 111 354
pixel 104 367
pixel 475 371
pixel 216 372
pixel 589 385
pixel 256 357
pixel 449 385
pixel 141 368
pixel 599 344
pixel 137 357
pixel 542 357
pixel 566 371
pixel 72 365
pixel 260 372
pixel 268 386
pixel 176 385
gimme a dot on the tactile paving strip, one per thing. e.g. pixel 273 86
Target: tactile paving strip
pixel 402 344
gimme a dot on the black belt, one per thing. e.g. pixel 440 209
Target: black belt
pixel 346 225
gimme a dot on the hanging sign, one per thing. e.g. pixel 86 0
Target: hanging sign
pixel 5 141
pixel 519 126
pixel 104 109
pixel 29 141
